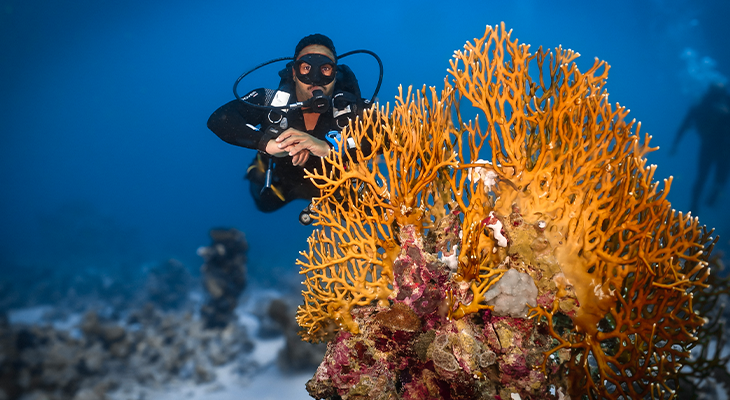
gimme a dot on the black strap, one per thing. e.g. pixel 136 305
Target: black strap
pixel 272 132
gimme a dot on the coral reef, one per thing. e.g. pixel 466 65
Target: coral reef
pixel 296 355
pixel 555 269
pixel 155 340
pixel 150 348
pixel 168 285
pixel 70 289
pixel 224 275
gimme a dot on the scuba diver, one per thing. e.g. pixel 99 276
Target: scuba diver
pixel 711 119
pixel 297 124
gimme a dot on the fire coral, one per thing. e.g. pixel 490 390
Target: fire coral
pixel 416 233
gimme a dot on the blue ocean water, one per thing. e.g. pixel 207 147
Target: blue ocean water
pixel 105 157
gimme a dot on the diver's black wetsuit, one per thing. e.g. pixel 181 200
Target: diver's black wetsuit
pixel 242 125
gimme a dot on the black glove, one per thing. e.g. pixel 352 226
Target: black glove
pixel 271 132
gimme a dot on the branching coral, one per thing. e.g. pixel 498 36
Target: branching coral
pixel 567 198
pixel 707 371
pixel 365 199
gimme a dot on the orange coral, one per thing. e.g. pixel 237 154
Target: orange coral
pixel 363 199
pixel 567 198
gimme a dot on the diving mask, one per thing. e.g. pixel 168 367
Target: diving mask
pixel 315 69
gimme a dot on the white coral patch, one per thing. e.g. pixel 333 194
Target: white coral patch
pixel 451 261
pixel 496 228
pixel 512 293
pixel 599 292
pixel 486 174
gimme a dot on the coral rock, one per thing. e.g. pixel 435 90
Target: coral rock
pixel 513 294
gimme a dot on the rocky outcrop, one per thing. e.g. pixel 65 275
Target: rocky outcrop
pixel 224 275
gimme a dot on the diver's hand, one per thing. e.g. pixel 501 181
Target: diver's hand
pixel 300 144
pixel 272 148
pixel 300 158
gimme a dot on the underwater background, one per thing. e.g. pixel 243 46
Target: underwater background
pixel 107 166
pixel 106 158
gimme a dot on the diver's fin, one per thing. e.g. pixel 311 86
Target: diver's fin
pixel 278 193
pixel 258 165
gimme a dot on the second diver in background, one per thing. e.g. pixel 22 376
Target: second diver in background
pixel 711 119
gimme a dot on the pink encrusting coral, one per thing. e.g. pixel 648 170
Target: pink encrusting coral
pixel 414 350
pixel 556 270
